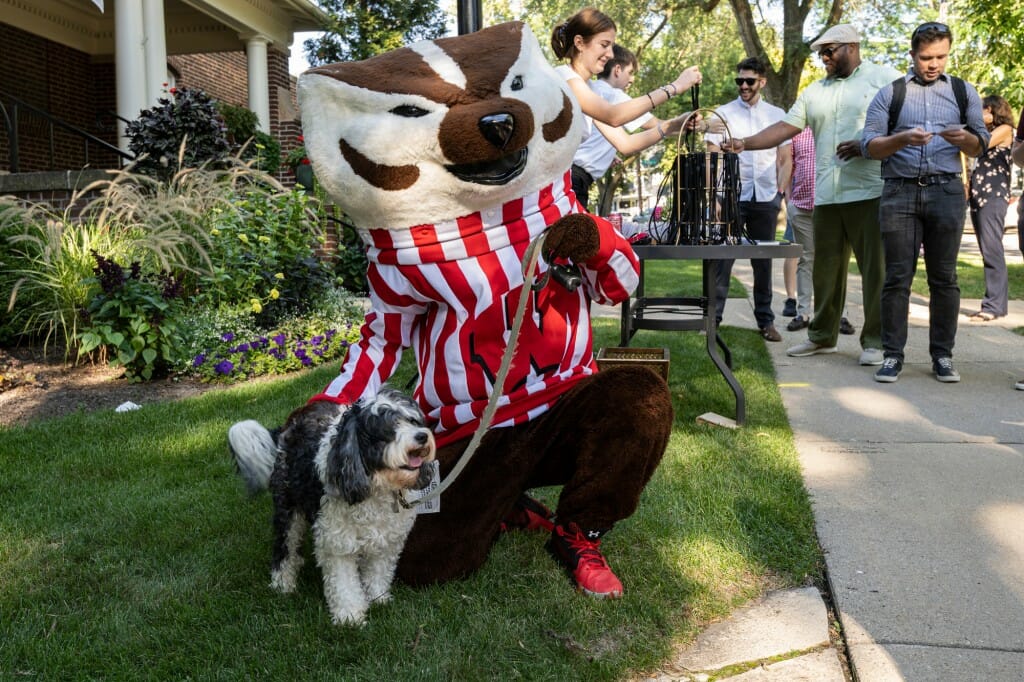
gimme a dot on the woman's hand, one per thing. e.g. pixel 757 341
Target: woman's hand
pixel 687 79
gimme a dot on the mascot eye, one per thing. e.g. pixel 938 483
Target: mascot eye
pixel 409 111
pixel 517 83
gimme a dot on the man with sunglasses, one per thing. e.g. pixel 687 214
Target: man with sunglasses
pixel 923 203
pixel 762 175
pixel 846 189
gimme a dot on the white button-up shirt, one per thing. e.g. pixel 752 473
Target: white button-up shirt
pixel 758 178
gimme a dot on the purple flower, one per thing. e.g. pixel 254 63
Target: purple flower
pixel 317 340
pixel 198 360
pixel 224 367
pixel 279 340
pixel 319 352
pixel 227 337
pixel 307 361
pixel 300 353
pixel 330 333
pixel 241 348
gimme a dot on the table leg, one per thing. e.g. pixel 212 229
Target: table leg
pixel 713 341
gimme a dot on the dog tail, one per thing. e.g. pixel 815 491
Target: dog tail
pixel 255 451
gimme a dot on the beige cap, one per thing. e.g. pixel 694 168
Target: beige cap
pixel 840 33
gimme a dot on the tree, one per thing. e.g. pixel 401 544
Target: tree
pixel 360 29
pixel 989 45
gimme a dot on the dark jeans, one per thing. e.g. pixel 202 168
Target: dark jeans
pixel 912 216
pixel 581 182
pixel 758 219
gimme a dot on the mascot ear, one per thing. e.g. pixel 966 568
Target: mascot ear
pixel 346 472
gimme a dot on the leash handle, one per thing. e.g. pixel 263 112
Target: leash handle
pixel 530 259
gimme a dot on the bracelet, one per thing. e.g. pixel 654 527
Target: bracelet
pixel 665 90
pixel 652 100
pixel 674 90
pixel 661 131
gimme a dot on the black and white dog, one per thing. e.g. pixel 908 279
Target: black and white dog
pixel 342 469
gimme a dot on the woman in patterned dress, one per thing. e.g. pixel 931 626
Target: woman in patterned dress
pixel 990 196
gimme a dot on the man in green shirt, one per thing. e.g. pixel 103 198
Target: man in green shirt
pixel 846 188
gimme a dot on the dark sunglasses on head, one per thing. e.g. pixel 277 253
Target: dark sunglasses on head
pixel 829 51
pixel 936 26
pixel 749 82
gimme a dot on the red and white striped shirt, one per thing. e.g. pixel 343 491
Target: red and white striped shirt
pixel 449 291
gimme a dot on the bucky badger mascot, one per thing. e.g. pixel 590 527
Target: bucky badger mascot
pixel 450 156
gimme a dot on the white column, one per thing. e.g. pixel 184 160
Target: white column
pixel 155 48
pixel 259 87
pixel 130 63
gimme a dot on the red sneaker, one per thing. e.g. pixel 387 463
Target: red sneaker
pixel 580 552
pixel 528 514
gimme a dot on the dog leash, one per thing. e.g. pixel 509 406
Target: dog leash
pixel 530 259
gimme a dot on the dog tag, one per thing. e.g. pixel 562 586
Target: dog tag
pixel 431 506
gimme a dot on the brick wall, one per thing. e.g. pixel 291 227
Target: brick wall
pixel 63 82
pixel 221 75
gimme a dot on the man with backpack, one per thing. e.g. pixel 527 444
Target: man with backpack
pixel 918 126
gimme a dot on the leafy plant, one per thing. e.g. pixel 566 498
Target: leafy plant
pixel 132 318
pixel 264 250
pixel 186 125
pixel 229 353
pixel 247 141
pixel 297 156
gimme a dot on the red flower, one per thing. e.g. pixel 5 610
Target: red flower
pixel 301 139
pixel 173 91
pixel 305 162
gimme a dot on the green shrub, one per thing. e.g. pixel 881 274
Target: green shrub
pixel 247 141
pixel 322 334
pixel 185 131
pixel 132 319
pixel 263 251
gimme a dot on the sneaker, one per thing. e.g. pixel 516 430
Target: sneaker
pixel 944 371
pixel 528 514
pixel 846 328
pixel 871 356
pixel 789 308
pixel 797 323
pixel 802 350
pixel 579 551
pixel 1019 385
pixel 770 333
pixel 890 372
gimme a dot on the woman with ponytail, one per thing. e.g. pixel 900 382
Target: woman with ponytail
pixel 585 40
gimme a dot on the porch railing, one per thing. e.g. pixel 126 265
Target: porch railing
pixel 15 113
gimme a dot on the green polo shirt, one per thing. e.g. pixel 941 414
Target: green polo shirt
pixel 835 109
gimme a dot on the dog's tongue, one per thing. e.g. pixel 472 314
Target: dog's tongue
pixel 415 462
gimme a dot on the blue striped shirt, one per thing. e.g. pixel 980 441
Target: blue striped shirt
pixel 931 107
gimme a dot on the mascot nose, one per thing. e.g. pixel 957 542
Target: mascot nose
pixel 498 128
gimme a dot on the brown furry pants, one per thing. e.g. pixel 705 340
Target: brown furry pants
pixel 601 441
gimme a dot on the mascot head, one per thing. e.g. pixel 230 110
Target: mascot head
pixel 440 129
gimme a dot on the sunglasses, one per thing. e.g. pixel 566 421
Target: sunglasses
pixel 827 52
pixel 749 82
pixel 939 28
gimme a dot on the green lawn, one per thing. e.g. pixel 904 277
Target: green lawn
pixel 128 550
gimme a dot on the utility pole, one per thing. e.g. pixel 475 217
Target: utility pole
pixel 470 16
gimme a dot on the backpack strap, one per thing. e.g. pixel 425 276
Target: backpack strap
pixel 899 93
pixel 960 92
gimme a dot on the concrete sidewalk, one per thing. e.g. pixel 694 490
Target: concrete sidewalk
pixel 918 492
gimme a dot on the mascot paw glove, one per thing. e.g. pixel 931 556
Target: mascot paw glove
pixel 574 236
